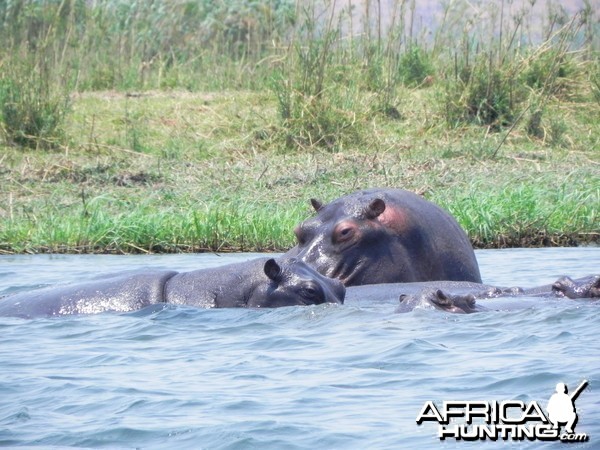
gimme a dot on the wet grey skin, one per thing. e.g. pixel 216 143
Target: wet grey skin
pixel 379 236
pixel 268 283
pixel 461 296
pixel 259 283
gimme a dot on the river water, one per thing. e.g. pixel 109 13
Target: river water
pixel 320 377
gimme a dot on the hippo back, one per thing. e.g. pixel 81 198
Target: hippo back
pixel 118 293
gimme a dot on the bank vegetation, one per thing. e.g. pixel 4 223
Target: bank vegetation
pixel 206 126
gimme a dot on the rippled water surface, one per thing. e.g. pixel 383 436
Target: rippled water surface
pixel 327 376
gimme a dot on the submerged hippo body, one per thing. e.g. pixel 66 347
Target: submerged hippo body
pixel 461 296
pixel 257 283
pixel 385 236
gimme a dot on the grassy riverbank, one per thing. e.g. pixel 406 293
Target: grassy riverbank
pixel 225 155
pixel 206 177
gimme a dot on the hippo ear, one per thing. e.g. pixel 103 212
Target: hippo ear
pixel 316 204
pixel 273 270
pixel 375 209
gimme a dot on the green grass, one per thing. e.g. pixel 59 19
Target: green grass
pixel 205 178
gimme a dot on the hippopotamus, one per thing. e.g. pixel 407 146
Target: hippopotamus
pixel 379 236
pixel 438 299
pixel 258 283
pixel 460 297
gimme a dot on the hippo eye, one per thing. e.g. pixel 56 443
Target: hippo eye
pixel 345 234
pixel 311 293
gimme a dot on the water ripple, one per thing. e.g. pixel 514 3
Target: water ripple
pixel 325 376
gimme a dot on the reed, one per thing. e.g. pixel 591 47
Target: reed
pixel 319 58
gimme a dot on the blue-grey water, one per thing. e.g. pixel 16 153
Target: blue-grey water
pixel 320 377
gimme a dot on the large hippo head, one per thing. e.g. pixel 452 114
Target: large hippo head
pixel 292 282
pixel 385 236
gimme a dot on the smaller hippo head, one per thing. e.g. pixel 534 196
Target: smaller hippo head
pixel 292 282
pixel 438 299
pixel 587 287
